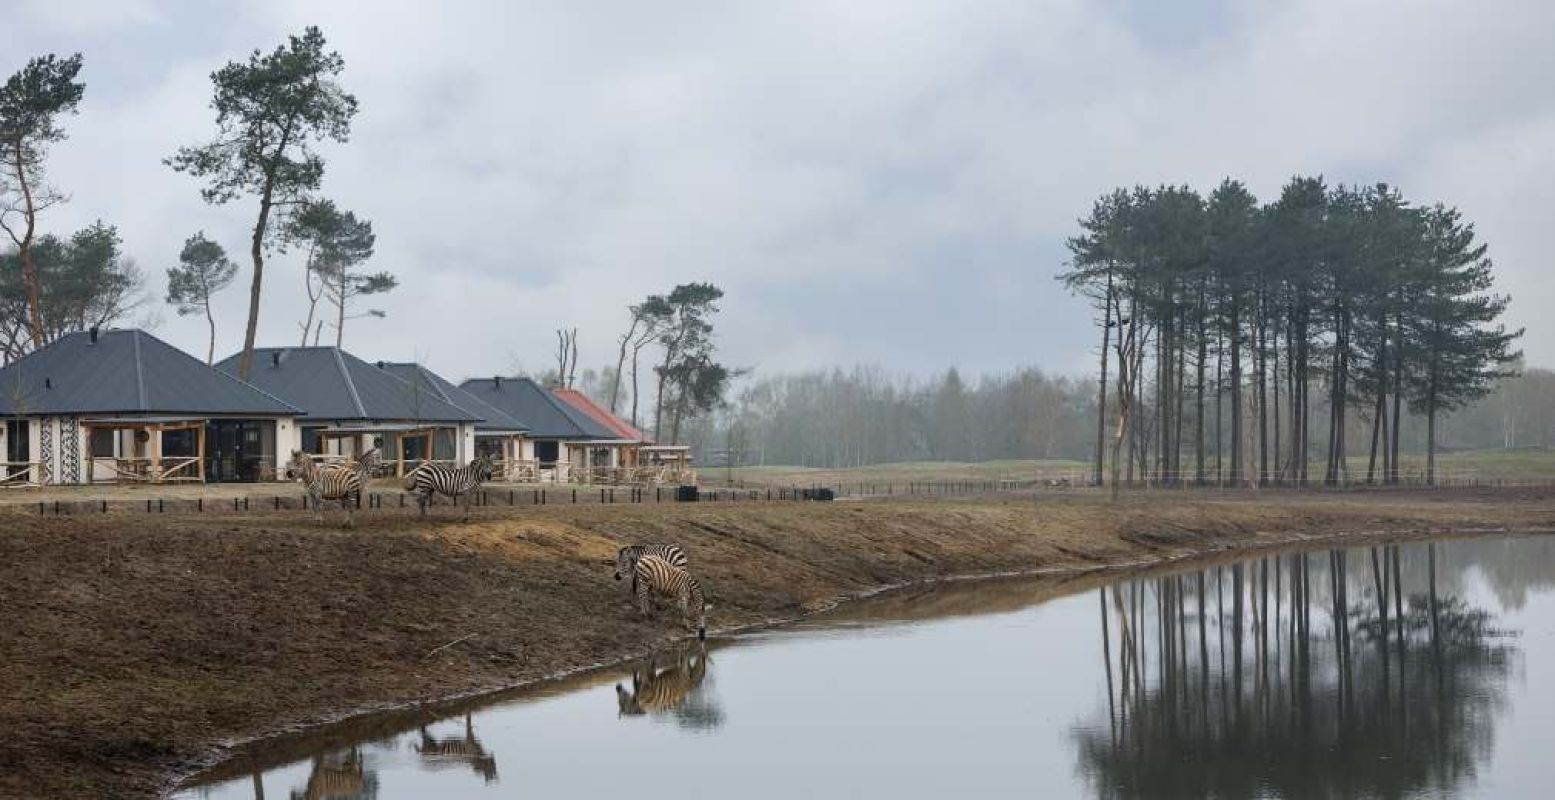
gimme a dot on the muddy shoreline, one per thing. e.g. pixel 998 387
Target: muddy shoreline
pixel 173 648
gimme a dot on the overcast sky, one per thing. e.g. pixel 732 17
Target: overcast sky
pixel 871 181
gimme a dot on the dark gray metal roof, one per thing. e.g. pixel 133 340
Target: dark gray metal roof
pixel 492 418
pixel 330 384
pixel 530 403
pixel 126 372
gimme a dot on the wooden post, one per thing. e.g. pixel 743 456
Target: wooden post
pixel 399 455
pixel 154 434
pixel 199 439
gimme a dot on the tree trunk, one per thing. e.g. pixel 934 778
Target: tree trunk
pixel 1101 399
pixel 1274 384
pixel 1263 396
pixel 210 347
pixel 1203 356
pixel 615 384
pixel 313 297
pixel 1430 431
pixel 634 390
pixel 1379 420
pixel 1398 391
pixel 1220 392
pixel 1181 392
pixel 257 251
pixel 1236 395
pixel 24 250
pixel 340 313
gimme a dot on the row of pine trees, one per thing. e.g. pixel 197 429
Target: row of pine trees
pixel 1230 328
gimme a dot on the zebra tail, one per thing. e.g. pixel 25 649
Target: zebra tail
pixel 410 479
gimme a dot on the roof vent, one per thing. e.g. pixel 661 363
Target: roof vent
pixel 496 382
pixel 48 383
pixel 275 357
pixel 380 365
pixel 92 332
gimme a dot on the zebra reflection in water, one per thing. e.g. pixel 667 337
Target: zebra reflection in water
pixel 463 750
pixel 677 690
pixel 337 776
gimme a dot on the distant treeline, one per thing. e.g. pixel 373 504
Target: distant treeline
pixel 846 418
pixel 863 416
pixel 1229 330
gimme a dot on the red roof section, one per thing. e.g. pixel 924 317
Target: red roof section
pixel 582 402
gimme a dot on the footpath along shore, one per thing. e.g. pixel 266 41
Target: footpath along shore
pixel 136 648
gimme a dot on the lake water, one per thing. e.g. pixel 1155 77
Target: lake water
pixel 1280 676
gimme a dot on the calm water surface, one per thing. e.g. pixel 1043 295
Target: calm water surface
pixel 1282 676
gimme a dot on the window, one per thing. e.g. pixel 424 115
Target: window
pixel 443 444
pixel 180 444
pixel 17 443
pixel 103 440
pixel 546 452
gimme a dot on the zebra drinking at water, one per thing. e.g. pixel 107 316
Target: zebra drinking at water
pixel 657 576
pixel 455 483
pixel 333 481
pixel 627 557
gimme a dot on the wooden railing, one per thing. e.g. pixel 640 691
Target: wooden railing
pixel 530 471
pixel 173 469
pixel 23 473
pixel 515 470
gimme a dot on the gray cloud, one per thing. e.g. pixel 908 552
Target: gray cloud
pixel 870 181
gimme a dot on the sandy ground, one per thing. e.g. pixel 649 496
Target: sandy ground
pixel 135 647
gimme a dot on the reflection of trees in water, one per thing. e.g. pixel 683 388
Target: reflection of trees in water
pixel 680 690
pixel 1269 678
pixel 1513 566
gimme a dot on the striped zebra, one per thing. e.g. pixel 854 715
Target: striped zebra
pixel 455 483
pixel 626 559
pixel 657 576
pixel 333 481
pixel 336 777
pixel 656 691
pixel 466 749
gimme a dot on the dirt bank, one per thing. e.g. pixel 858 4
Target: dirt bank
pixel 133 647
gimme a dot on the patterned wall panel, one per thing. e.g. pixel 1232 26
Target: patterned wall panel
pixel 46 448
pixel 70 450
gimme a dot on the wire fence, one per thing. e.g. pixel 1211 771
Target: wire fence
pixel 497 497
pixel 514 498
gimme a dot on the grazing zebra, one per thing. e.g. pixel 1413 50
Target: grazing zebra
pixel 626 559
pixel 656 691
pixel 430 477
pixel 657 576
pixel 333 481
pixel 464 749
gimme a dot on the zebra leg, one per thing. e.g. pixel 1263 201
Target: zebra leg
pixel 642 599
pixel 349 504
pixel 317 499
pixel 422 499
